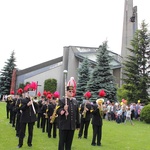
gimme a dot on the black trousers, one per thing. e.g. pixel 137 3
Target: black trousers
pixel 84 126
pixel 7 112
pixel 14 118
pixel 22 133
pixel 65 139
pixel 45 124
pixel 39 120
pixel 52 129
pixel 97 133
pixel 11 116
pixel 18 124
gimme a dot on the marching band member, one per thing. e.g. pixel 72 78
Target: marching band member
pixel 18 105
pixel 40 114
pixel 14 111
pixel 52 115
pixel 28 116
pixel 68 112
pixel 8 100
pixel 85 112
pixel 45 109
pixel 97 120
pixel 9 107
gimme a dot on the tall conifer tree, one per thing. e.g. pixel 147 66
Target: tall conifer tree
pixel 136 66
pixel 101 77
pixel 83 78
pixel 6 75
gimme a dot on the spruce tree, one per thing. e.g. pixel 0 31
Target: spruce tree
pixel 6 75
pixel 136 66
pixel 101 77
pixel 83 78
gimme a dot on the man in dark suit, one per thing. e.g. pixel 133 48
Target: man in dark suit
pixel 52 118
pixel 68 119
pixel 85 111
pixel 28 116
pixel 9 107
pixel 40 114
pixel 97 122
pixel 18 125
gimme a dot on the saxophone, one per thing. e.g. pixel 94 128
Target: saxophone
pixel 46 114
pixel 54 115
pixel 84 111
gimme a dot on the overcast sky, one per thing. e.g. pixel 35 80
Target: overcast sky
pixel 37 30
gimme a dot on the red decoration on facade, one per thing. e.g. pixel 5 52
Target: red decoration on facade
pixel 13 80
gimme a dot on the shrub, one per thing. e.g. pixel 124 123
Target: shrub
pixel 145 114
pixel 50 85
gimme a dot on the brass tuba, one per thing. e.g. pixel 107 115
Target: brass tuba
pixel 100 106
pixel 9 97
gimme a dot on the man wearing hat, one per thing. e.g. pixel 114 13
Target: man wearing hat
pixel 97 120
pixel 9 106
pixel 85 112
pixel 45 110
pixel 28 116
pixel 18 115
pixel 68 117
pixel 52 115
pixel 40 115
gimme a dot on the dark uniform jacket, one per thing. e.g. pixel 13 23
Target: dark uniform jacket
pixel 96 117
pixel 88 113
pixel 27 114
pixel 14 105
pixel 39 107
pixel 9 104
pixel 72 121
pixel 44 109
pixel 18 105
pixel 51 109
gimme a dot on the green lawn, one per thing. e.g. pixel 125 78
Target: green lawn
pixel 115 137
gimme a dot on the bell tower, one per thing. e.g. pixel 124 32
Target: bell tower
pixel 130 23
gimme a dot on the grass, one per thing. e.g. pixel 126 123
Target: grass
pixel 115 137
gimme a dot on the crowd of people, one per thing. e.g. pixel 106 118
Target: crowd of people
pixel 52 113
pixel 122 112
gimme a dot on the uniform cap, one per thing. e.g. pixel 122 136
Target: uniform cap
pixel 20 91
pixel 87 94
pixel 56 94
pixel 102 93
